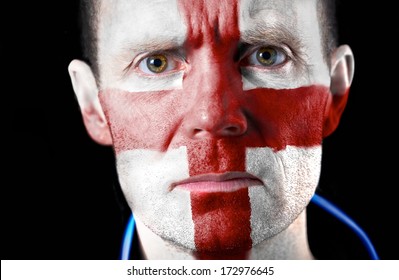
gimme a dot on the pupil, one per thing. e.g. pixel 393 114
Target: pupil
pixel 157 62
pixel 266 55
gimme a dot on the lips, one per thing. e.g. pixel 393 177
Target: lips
pixel 226 182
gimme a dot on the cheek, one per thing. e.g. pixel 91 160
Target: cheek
pixel 285 117
pixel 142 120
pixel 291 177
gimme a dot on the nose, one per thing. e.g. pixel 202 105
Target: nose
pixel 216 110
pixel 210 120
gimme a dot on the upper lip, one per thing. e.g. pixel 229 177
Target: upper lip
pixel 216 177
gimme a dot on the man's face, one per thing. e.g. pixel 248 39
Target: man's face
pixel 216 110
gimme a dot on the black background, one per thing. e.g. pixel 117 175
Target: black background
pixel 58 192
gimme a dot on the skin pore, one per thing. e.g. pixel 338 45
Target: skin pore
pixel 216 111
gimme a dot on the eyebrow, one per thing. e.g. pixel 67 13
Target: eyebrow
pixel 277 34
pixel 154 44
pixel 274 33
pixel 130 49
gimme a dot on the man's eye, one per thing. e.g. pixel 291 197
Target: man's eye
pixel 158 63
pixel 267 56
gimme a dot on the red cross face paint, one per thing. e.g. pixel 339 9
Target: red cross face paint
pixel 218 119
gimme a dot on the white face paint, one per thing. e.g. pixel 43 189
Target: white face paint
pixel 299 37
pixel 130 30
pixel 290 177
pixel 145 177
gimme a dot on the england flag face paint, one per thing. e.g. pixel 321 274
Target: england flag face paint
pixel 217 112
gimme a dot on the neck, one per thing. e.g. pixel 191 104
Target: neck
pixel 289 244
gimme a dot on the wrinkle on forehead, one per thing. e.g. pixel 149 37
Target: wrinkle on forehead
pixel 139 22
pixel 255 13
pixel 210 19
pixel 256 8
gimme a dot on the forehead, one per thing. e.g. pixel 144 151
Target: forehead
pixel 140 22
pixel 137 21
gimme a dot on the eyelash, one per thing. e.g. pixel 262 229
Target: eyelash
pixel 176 63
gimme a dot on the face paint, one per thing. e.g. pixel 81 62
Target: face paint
pixel 179 149
pixel 222 224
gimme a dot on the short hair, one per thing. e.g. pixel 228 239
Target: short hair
pixel 89 17
pixel 326 13
pixel 88 23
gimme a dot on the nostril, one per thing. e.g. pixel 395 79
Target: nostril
pixel 225 131
pixel 200 133
pixel 197 130
pixel 231 130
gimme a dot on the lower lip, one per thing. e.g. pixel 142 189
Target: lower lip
pixel 223 186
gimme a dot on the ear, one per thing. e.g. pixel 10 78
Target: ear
pixel 86 91
pixel 342 71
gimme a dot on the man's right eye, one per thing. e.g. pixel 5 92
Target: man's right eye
pixel 159 63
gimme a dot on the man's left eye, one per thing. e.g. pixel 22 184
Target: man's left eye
pixel 158 64
pixel 267 57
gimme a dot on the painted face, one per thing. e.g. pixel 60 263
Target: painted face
pixel 216 110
